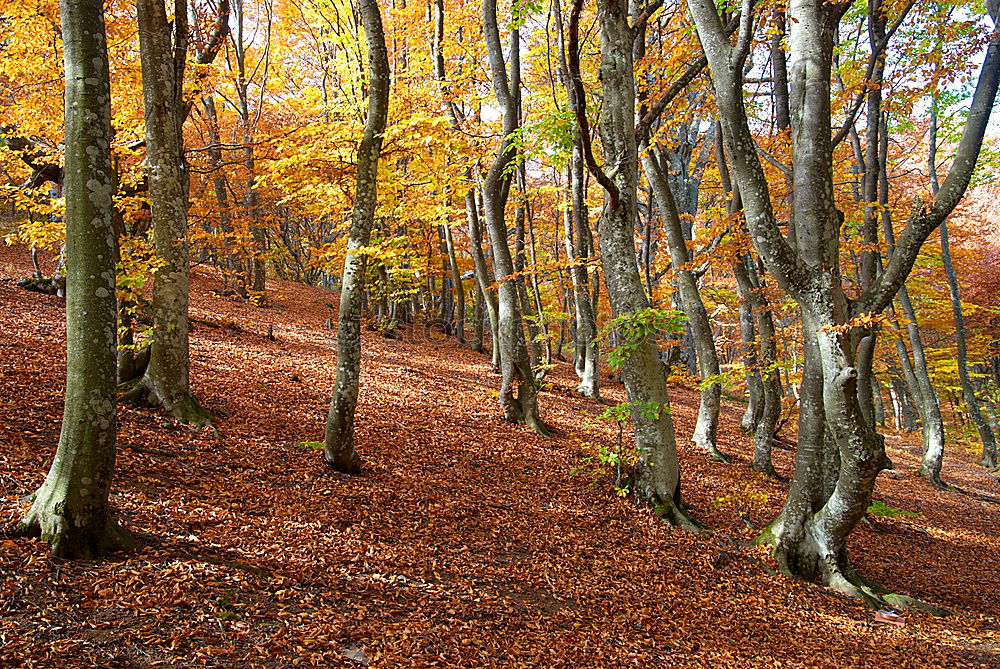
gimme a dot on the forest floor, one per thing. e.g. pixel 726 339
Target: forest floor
pixel 465 543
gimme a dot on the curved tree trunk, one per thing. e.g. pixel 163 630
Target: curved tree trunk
pixel 989 459
pixel 338 445
pixel 70 509
pixel 656 475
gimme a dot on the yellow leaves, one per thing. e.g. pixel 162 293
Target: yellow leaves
pixel 866 321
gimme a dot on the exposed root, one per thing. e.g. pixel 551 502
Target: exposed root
pixel 674 513
pixel 72 536
pixel 185 409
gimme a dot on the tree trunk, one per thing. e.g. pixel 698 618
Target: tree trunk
pixel 656 475
pixel 166 382
pixel 338 447
pixel 707 425
pixel 70 510
pixel 456 281
pixel 989 459
pixel 482 273
pixel 518 390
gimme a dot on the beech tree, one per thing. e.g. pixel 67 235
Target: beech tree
pixel 338 445
pixel 163 47
pixel 839 451
pixel 518 386
pixel 70 510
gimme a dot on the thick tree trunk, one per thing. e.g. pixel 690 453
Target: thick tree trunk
pixel 70 509
pixel 338 446
pixel 166 382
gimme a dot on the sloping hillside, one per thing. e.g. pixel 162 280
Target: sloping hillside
pixel 467 542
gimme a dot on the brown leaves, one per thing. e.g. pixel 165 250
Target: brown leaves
pixel 466 542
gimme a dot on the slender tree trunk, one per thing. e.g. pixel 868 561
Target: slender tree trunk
pixel 518 389
pixel 456 280
pixel 989 459
pixel 166 382
pixel 482 272
pixel 579 244
pixel 707 426
pixel 338 448
pixel 70 510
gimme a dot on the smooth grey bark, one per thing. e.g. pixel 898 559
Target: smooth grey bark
pixel 338 444
pixel 489 297
pixel 928 404
pixel 764 382
pixel 518 389
pixel 578 240
pixel 986 436
pixel 70 510
pixel 707 425
pixel 766 424
pixel 810 535
pixel 655 477
pixel 456 281
pixel 163 47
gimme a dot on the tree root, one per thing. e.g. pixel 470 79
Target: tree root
pixel 71 539
pixel 185 409
pixel 675 514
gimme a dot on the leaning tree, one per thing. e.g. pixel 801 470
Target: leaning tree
pixel 839 452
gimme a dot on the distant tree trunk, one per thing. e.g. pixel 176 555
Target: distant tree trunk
pixel 989 459
pixel 70 510
pixel 928 404
pixel 482 272
pixel 578 250
pixel 233 272
pixel 338 447
pixel 478 318
pixel 166 382
pixel 456 281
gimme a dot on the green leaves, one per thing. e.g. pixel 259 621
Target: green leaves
pixel 628 331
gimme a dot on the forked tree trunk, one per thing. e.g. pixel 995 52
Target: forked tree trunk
pixel 829 495
pixel 166 382
pixel 70 509
pixel 338 444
